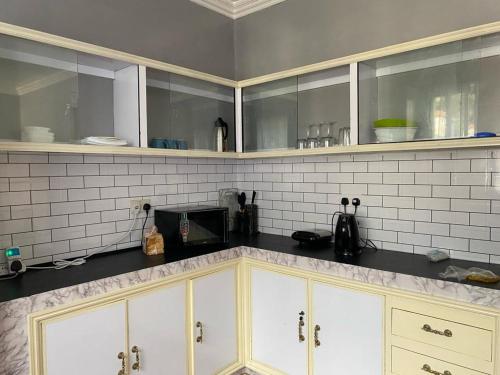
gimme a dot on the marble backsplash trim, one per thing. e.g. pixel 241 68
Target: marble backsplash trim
pixel 13 314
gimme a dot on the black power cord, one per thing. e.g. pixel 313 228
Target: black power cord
pixel 147 208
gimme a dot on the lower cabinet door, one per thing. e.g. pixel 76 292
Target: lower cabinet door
pixel 157 332
pixel 278 306
pixel 215 323
pixel 348 331
pixel 86 343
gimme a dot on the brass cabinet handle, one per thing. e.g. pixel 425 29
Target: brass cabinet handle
pixel 428 328
pixel 317 328
pixel 121 356
pixel 137 364
pixel 301 327
pixel 428 369
pixel 199 338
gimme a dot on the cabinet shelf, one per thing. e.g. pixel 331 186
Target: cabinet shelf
pixel 446 144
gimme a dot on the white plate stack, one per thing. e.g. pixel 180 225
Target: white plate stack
pixel 37 134
pixel 104 141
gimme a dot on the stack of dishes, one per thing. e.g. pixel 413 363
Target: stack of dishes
pixel 37 134
pixel 394 130
pixel 104 141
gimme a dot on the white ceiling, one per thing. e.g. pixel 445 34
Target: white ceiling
pixel 236 8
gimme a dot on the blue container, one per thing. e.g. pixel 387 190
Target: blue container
pixel 170 143
pixel 182 145
pixel 157 143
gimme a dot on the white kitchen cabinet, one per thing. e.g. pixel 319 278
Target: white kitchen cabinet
pixel 350 335
pixel 157 330
pixel 215 323
pixel 86 343
pixel 278 303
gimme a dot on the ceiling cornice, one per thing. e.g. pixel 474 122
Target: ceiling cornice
pixel 236 8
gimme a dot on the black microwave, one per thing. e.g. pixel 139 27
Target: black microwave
pixel 193 226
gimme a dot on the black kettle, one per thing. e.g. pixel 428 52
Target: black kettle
pixel 347 234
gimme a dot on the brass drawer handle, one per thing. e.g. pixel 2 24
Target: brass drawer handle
pixel 301 327
pixel 317 328
pixel 199 338
pixel 428 369
pixel 137 364
pixel 446 332
pixel 121 356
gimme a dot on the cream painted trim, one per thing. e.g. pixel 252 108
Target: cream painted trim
pixel 39 36
pixel 447 144
pixel 236 8
pixel 380 52
pixel 243 266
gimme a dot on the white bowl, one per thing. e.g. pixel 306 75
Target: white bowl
pixel 36 129
pixel 38 138
pixel 396 134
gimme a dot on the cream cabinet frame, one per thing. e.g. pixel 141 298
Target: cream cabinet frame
pixel 350 61
pixel 438 308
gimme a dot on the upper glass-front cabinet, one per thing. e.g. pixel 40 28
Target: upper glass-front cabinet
pixel 446 91
pixel 187 113
pixel 55 95
pixel 307 111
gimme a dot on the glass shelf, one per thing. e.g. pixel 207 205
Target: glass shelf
pixel 182 112
pixel 50 94
pixel 305 111
pixel 442 92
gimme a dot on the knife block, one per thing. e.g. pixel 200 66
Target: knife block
pixel 248 220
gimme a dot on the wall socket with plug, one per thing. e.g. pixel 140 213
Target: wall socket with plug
pixel 136 205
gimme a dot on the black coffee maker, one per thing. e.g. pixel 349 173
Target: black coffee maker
pixel 347 232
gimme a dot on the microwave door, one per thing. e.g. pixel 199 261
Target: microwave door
pixel 205 228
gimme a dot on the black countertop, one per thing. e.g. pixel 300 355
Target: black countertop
pixel 116 263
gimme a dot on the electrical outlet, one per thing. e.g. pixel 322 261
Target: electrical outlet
pixel 137 204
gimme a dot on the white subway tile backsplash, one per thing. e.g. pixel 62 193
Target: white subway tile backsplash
pixel 450 191
pixel 471 179
pixel 128 180
pixel 417 215
pixel 432 228
pixel 415 166
pixel 432 203
pixel 432 178
pixel 64 208
pixel 14 170
pixel 98 181
pixel 66 182
pixel 470 205
pixel 451 243
pixel 466 231
pixel 15 226
pixel 14 198
pixel 50 222
pixel 399 178
pixel 82 169
pixel 451 165
pixel 410 202
pixel 87 218
pixel 83 194
pixel 450 217
pixel 29 183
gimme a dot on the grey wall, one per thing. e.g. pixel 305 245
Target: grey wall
pixel 176 31
pixel 298 32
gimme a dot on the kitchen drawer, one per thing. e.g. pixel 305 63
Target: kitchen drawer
pixel 405 362
pixel 450 335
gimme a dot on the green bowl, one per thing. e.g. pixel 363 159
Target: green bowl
pixel 391 123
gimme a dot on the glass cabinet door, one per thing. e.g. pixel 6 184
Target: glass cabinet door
pixel 441 92
pixel 270 115
pixel 50 94
pixel 305 112
pixel 187 113
pixel 324 108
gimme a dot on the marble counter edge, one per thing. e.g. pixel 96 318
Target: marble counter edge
pixel 13 314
